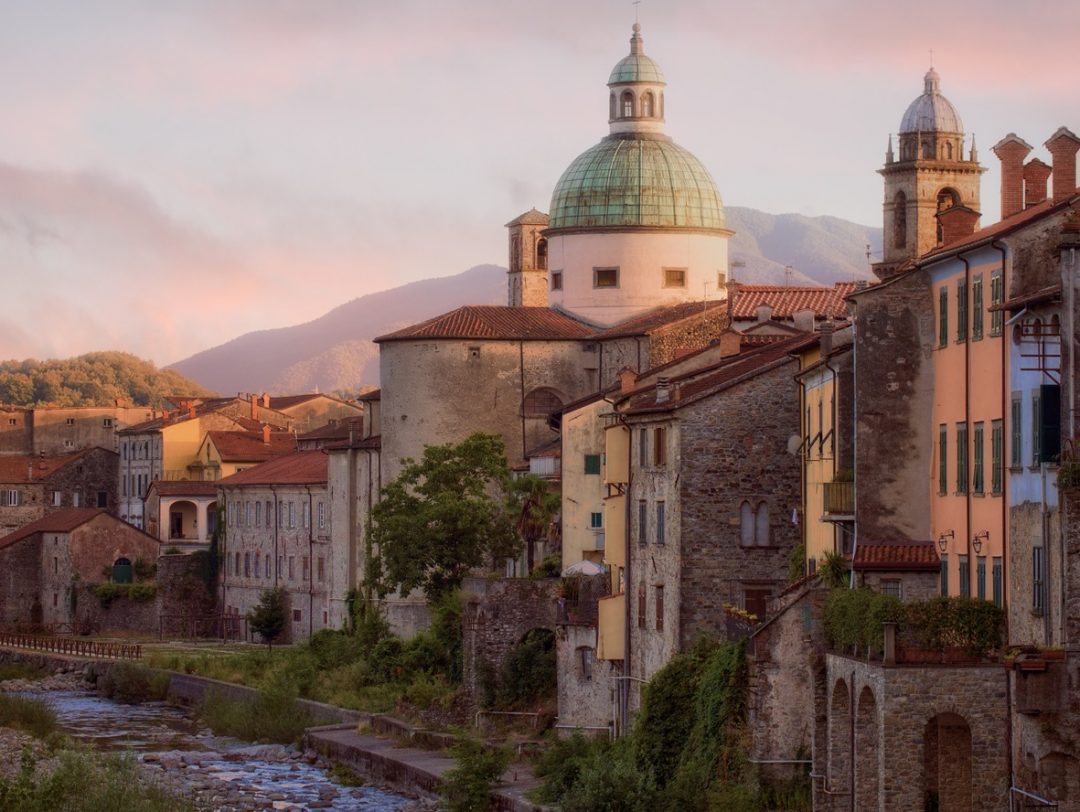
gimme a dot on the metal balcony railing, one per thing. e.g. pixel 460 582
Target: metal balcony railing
pixel 840 498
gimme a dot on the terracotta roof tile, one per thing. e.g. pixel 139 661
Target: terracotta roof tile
pixel 60 521
pixel 338 430
pixel 787 301
pixel 903 556
pixel 661 317
pixel 25 468
pixel 372 442
pixel 497 322
pixel 248 446
pixel 298 468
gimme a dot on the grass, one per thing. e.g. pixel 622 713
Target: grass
pixel 32 716
pixel 88 782
pixel 132 683
pixel 272 716
pixel 16 669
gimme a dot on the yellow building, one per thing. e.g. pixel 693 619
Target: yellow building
pixel 223 453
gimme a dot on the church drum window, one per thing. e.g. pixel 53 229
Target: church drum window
pixel 647 105
pixel 605 277
pixel 627 104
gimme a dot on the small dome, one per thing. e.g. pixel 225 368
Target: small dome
pixel 648 182
pixel 931 112
pixel 636 67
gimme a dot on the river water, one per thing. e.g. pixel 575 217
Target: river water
pixel 218 773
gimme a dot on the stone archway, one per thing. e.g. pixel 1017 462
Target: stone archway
pixel 947 764
pixel 839 772
pixel 867 753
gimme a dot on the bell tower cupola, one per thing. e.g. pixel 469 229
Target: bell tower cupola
pixel 636 91
pixel 927 174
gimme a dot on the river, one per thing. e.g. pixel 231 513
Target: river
pixel 218 773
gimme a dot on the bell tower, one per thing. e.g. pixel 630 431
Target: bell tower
pixel 527 281
pixel 930 174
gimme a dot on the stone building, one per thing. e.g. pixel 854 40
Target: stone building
pixel 278 534
pixel 224 453
pixel 56 430
pixel 34 486
pixel 182 514
pixel 46 563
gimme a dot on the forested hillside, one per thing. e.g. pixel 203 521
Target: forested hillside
pixel 94 379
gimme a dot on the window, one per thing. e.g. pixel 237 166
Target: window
pixel 267 562
pixel 556 280
pixel 292 514
pixel 9 498
pixel 891 587
pixel 674 277
pixel 283 518
pixel 249 511
pixel 541 403
pixel 659 452
pixel 627 104
pixel 642 520
pixel 321 569
pixel 107 423
pixel 944 576
pixel 269 512
pixel 659 608
pixel 961 458
pixel 255 569
pixel 76 499
pixel 297 615
pixel 977 307
pixel 585 658
pixel 292 567
pixel 1038 574
pixel 280 563
pixel 977 468
pixel 643 447
pixel 961 310
pixel 997 318
pixel 102 499
pixel 69 443
pixel 1016 425
pixel 605 277
pixel 1036 428
pixel 70 421
pixel 754 524
pixel 965 577
pixel 57 497
pixel 258 514
pixel 943 317
pixel 721 280
pixel 659 522
pixel 592 464
pixel 980 577
pixel 236 564
pixel 306 562
pixel 746 524
pixel 641 606
pixel 13 421
pixel 943 459
pixel 596 520
pixel 322 515
pixel 647 105
pixel 756 601
pixel 997 441
pixel 996 578
pixel 247 565
pixel 900 219
pixel 305 514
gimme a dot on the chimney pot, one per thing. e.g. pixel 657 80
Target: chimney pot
pixel 191 410
pixel 730 343
pixel 1011 151
pixel 1036 173
pixel 254 407
pixel 627 380
pixel 1063 146
pixel 266 433
pixel 265 400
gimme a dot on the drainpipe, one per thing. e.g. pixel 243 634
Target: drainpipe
pixel 969 456
pixel 851 736
pixel 521 379
pixel 1070 301
pixel 311 564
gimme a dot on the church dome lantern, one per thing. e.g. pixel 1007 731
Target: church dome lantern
pixel 931 112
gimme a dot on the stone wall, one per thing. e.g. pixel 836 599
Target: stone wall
pixel 667 343
pixel 183 589
pixel 922 735
pixel 1070 532
pixel 894 391
pixel 119 616
pixel 497 616
pixel 1046 731
pixel 915 586
pixel 20 583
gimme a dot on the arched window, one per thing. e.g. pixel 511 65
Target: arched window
pixel 541 254
pixel 647 105
pixel 661 104
pixel 611 106
pixel 761 525
pixel 928 149
pixel 541 403
pixel 122 571
pixel 947 198
pixel 900 220
pixel 948 150
pixel 627 104
pixel 746 524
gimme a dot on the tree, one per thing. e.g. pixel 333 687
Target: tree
pixel 442 517
pixel 535 505
pixel 269 617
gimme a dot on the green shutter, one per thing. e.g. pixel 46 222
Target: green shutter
pixel 961 458
pixel 943 460
pixel 977 307
pixel 980 578
pixel 965 577
pixel 1016 424
pixel 977 473
pixel 996 442
pixel 1036 426
pixel 945 575
pixel 996 576
pixel 592 463
pixel 997 318
pixel 943 316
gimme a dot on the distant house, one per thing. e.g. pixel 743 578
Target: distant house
pixel 182 513
pixel 34 486
pixel 43 564
pixel 224 453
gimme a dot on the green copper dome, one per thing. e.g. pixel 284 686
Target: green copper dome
pixel 647 182
pixel 636 68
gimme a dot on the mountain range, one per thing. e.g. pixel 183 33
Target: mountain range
pixel 335 352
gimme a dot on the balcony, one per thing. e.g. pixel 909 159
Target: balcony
pixel 839 501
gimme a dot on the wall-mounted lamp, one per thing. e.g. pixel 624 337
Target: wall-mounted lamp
pixel 976 543
pixel 943 540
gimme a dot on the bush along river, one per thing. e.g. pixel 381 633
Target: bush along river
pixel 216 773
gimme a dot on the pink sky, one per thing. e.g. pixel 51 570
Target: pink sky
pixel 175 174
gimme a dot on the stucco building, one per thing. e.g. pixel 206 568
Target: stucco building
pixel 35 486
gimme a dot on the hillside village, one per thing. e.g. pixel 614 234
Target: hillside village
pixel 779 466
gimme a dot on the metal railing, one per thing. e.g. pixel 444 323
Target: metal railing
pixel 72 647
pixel 839 497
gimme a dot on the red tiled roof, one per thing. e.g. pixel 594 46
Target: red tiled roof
pixel 374 394
pixel 248 446
pixel 552 448
pixel 787 301
pixel 1047 294
pixel 338 430
pixel 498 322
pixel 60 521
pixel 905 556
pixel 30 468
pixel 657 319
pixel 1002 227
pixel 184 487
pixel 298 468
pixel 372 442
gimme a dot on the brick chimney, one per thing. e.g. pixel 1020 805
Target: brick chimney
pixel 957 222
pixel 266 434
pixel 730 343
pixel 1063 146
pixel 1011 151
pixel 191 411
pixel 1036 173
pixel 627 380
pixel 265 400
pixel 254 407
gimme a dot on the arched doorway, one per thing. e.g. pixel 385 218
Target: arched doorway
pixel 528 673
pixel 947 764
pixel 122 571
pixel 867 749
pixel 183 522
pixel 839 738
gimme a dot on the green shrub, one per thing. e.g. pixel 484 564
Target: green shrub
pixel 133 683
pixel 854 619
pixel 549 567
pixel 17 669
pixel 467 786
pixel 109 592
pixel 796 567
pixel 272 716
pixel 560 767
pixel 528 671
pixel 33 716
pixel 833 571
